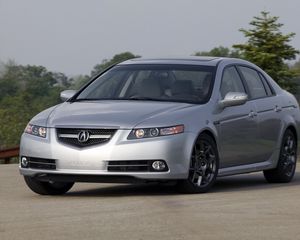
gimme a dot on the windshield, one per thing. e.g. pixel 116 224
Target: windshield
pixel 174 83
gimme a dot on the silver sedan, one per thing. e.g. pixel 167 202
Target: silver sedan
pixel 183 120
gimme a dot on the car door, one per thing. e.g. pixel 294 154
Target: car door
pixel 236 125
pixel 268 109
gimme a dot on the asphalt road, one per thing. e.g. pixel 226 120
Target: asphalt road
pixel 239 207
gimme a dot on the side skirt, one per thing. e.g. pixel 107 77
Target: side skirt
pixel 255 167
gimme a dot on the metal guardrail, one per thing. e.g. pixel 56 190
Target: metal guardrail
pixel 9 153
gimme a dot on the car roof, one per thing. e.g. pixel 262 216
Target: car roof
pixel 192 60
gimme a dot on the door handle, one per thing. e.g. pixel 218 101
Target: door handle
pixel 252 114
pixel 277 109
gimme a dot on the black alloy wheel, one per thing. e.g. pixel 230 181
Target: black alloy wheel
pixel 204 166
pixel 285 170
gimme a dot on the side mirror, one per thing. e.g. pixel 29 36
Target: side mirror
pixel 65 95
pixel 233 99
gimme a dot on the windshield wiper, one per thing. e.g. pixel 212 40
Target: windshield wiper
pixel 142 99
pixel 134 98
pixel 93 99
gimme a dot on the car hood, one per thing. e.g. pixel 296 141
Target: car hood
pixel 114 114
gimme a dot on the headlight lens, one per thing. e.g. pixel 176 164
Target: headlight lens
pixel 140 133
pixel 36 130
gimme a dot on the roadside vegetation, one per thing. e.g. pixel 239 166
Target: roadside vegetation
pixel 27 90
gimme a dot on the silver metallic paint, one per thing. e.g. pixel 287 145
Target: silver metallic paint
pixel 248 136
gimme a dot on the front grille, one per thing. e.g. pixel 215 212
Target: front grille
pixel 131 166
pixel 70 136
pixel 41 163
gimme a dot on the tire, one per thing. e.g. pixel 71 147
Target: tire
pixel 204 166
pixel 48 188
pixel 286 166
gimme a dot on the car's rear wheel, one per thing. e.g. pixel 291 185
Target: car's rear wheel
pixel 204 166
pixel 285 170
pixel 48 188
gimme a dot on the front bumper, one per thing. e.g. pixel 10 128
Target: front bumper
pixel 79 163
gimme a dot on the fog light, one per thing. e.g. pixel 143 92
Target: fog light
pixel 159 165
pixel 24 162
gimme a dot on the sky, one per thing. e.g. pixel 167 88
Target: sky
pixel 71 36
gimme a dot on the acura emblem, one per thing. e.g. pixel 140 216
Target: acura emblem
pixel 83 136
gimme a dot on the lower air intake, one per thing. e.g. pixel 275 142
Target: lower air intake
pixel 133 166
pixel 41 163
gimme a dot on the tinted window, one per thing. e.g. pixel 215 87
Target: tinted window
pixel 266 84
pixel 256 87
pixel 175 83
pixel 231 82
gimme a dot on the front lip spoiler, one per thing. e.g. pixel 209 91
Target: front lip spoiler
pixel 47 177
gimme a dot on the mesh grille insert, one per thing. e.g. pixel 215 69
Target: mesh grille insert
pixel 70 136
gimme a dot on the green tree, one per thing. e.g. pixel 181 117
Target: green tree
pixel 296 68
pixel 219 52
pixel 116 59
pixel 78 81
pixel 269 48
pixel 25 91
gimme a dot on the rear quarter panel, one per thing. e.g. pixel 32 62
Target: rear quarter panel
pixel 290 113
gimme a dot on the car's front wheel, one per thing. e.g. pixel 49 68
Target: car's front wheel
pixel 48 188
pixel 204 166
pixel 285 170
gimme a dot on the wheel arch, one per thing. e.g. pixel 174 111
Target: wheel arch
pixel 185 185
pixel 210 133
pixel 294 131
pixel 289 126
pixel 288 122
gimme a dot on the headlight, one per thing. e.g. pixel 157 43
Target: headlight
pixel 155 132
pixel 36 130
